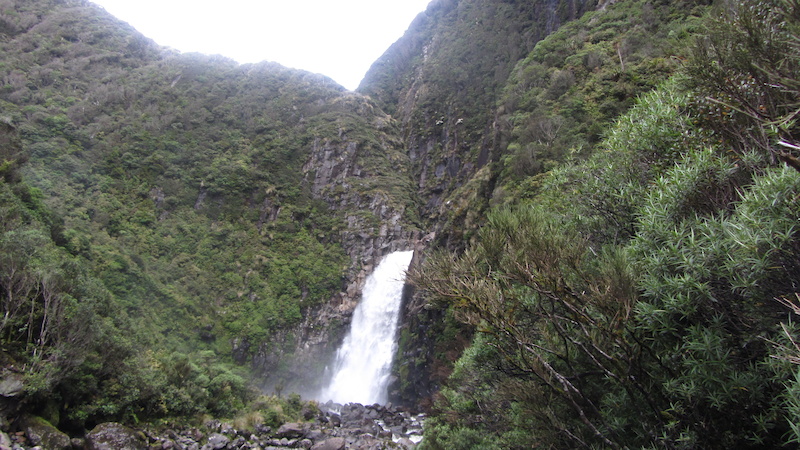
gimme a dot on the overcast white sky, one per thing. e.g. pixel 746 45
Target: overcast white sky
pixel 338 38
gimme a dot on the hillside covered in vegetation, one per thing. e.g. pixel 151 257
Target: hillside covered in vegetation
pixel 643 296
pixel 181 186
pixel 603 196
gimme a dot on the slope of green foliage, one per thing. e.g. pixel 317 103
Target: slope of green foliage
pixel 160 171
pixel 176 184
pixel 475 83
pixel 562 97
pixel 634 301
pixel 81 353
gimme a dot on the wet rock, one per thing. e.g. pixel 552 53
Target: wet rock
pixel 367 441
pixel 194 433
pixel 114 436
pixel 187 443
pixel 226 428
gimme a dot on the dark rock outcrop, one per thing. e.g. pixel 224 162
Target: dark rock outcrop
pixel 361 173
pixel 441 81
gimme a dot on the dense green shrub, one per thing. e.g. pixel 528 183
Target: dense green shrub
pixel 708 284
pixel 633 306
pixel 555 322
pixel 655 344
pixel 744 70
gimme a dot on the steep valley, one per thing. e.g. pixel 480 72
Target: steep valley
pixel 601 223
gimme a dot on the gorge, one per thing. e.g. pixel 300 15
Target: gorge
pixel 601 197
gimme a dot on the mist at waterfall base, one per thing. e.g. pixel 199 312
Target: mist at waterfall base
pixel 362 368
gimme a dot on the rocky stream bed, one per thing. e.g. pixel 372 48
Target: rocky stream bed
pixel 332 427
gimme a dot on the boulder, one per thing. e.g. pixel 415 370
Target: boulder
pixel 290 430
pixel 399 430
pixel 218 441
pixel 315 435
pixel 11 383
pixel 406 443
pixel 335 420
pixel 5 441
pixel 41 433
pixel 188 444
pixel 336 443
pixel 114 436
pixel 194 434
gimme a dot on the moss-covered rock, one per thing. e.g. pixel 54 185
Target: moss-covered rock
pixel 42 433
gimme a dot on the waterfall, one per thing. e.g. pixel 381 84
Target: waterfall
pixel 363 362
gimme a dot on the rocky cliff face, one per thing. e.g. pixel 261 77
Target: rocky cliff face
pixel 441 82
pixel 360 170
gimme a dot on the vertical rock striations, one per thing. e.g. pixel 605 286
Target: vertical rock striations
pixel 357 166
pixel 441 81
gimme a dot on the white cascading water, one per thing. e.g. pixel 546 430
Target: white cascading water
pixel 363 362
